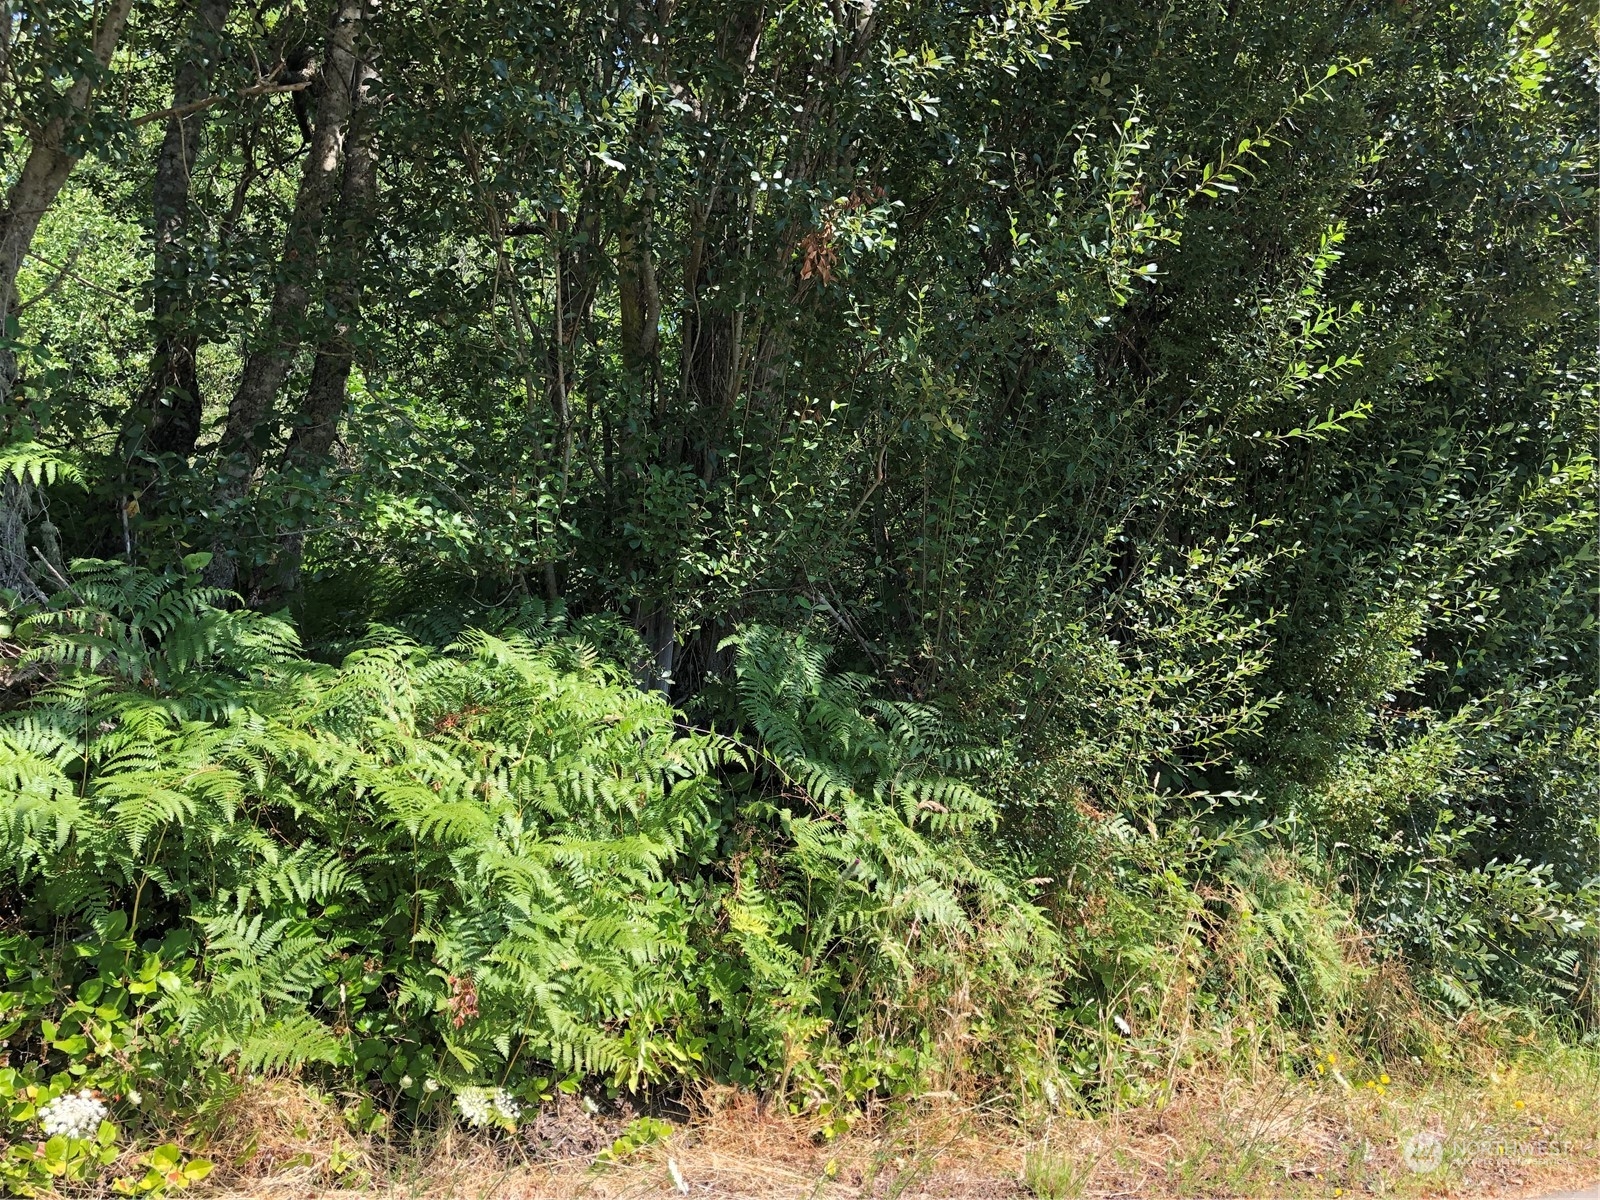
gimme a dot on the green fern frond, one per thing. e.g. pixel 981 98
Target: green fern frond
pixel 31 462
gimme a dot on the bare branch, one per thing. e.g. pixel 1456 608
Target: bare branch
pixel 264 88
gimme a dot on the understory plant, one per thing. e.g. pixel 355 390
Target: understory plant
pixel 497 865
pixel 465 879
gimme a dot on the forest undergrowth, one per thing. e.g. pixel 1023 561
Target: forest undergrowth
pixel 476 892
pixel 667 584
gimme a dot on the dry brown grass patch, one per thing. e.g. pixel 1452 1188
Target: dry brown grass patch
pixel 1511 1132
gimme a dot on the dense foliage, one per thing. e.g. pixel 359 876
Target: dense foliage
pixel 847 547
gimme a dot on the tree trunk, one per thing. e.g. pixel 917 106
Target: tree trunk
pixel 710 326
pixel 43 174
pixel 324 401
pixel 16 506
pixel 638 293
pixel 49 163
pixel 267 364
pixel 311 442
pixel 8 26
pixel 713 314
pixel 171 401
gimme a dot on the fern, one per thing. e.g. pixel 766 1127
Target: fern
pixel 31 462
pixel 289 1041
pixel 504 811
pixel 504 846
pixel 881 866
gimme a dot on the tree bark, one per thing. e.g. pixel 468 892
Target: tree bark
pixel 171 402
pixel 48 164
pixel 710 326
pixel 638 293
pixel 8 25
pixel 713 314
pixel 269 361
pixel 50 160
pixel 311 442
pixel 244 437
pixel 324 401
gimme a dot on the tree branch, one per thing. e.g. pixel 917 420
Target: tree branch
pixel 264 88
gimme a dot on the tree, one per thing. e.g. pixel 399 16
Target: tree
pixel 53 133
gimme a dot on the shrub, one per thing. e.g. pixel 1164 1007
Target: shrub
pixel 497 864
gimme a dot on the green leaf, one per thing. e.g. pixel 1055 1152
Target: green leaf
pixel 165 1157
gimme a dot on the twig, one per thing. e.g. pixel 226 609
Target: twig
pixel 65 271
pixel 256 89
pixel 62 270
pixel 60 578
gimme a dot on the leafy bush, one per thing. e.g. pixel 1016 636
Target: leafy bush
pixel 1201 496
pixel 97 1023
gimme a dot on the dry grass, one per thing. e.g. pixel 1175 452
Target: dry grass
pixel 1509 1131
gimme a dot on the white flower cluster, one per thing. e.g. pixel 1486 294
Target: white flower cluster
pixel 487 1106
pixel 74 1115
